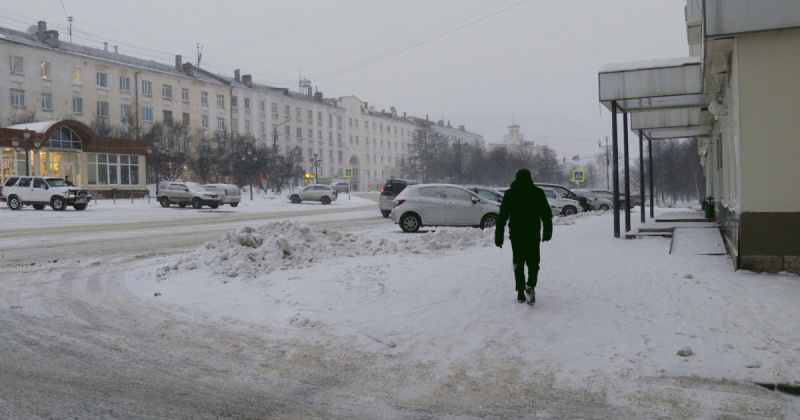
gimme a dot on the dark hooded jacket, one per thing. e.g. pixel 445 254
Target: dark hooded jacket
pixel 526 210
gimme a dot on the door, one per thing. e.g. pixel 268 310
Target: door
pixel 430 205
pixel 460 209
pixel 40 192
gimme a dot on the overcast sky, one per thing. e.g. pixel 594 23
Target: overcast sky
pixel 477 63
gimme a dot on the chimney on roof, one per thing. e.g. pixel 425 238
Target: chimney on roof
pixel 42 28
pixel 318 96
pixel 440 123
pixel 51 38
pixel 237 76
pixel 116 49
pixel 105 46
pixel 462 128
pixel 247 80
pixel 187 69
pixel 179 64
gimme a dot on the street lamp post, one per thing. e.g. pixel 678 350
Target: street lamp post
pixel 315 161
pixel 26 135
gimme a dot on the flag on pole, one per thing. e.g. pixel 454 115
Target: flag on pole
pixel 576 157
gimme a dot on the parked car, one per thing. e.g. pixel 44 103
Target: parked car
pixel 442 205
pixel 596 202
pixel 324 193
pixel 610 195
pixel 565 206
pixel 389 192
pixel 567 193
pixel 341 187
pixel 487 193
pixel 40 191
pixel 184 193
pixel 230 194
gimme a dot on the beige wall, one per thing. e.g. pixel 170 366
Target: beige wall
pixel 769 99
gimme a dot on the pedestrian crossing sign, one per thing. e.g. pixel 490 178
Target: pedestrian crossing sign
pixel 578 175
pixel 348 172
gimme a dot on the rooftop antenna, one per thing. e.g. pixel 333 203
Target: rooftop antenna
pixel 199 54
pixel 69 18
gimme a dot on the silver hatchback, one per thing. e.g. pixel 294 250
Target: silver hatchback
pixel 442 205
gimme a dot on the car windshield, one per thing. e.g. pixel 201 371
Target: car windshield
pixel 57 182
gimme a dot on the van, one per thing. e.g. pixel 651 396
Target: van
pixel 390 191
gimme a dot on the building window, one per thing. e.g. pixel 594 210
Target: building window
pixel 298 113
pixel 185 119
pixel 263 106
pixel 204 98
pixel 205 122
pixel 76 75
pixel 185 95
pixel 102 80
pixel 147 88
pixel 17 97
pixel 102 109
pixel 125 112
pixel 263 128
pixel 288 130
pixel 235 124
pixel 310 133
pixel 287 111
pixel 234 101
pixel 246 126
pixel 220 124
pixel 15 64
pixel 310 116
pixel 47 102
pixel 110 169
pixel 247 103
pixel 220 101
pixel 274 108
pixel 147 114
pixel 167 117
pixel 124 84
pixel 77 105
pixel 45 67
pixel 166 91
pixel 299 132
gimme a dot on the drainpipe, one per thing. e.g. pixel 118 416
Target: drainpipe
pixel 136 100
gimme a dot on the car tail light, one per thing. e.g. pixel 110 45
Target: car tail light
pixel 398 202
pixel 382 190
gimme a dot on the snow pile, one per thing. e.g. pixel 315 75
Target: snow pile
pixel 250 252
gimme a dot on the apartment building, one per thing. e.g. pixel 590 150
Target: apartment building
pixel 95 97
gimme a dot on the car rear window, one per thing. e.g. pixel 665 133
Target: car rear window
pixel 393 187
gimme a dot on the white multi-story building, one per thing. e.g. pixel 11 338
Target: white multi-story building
pixel 102 101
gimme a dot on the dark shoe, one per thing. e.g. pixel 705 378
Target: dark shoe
pixel 521 297
pixel 531 295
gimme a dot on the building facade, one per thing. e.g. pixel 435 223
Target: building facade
pixel 115 96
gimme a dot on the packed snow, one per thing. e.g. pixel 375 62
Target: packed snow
pixel 623 324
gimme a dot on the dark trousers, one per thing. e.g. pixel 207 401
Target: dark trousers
pixel 525 251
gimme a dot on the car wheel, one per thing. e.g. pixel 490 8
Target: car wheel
pixel 196 203
pixel 410 223
pixel 164 202
pixel 489 221
pixel 214 205
pixel 38 206
pixel 234 204
pixel 81 206
pixel 386 213
pixel 569 211
pixel 325 199
pixel 57 203
pixel 14 203
pixel 604 207
pixel 295 199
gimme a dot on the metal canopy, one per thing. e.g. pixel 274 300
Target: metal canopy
pixel 673 124
pixel 654 85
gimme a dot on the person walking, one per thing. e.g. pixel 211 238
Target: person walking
pixel 530 220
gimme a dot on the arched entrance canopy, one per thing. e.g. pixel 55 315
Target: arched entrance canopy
pixel 45 130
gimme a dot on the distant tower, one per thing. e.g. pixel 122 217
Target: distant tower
pixel 514 136
pixel 305 87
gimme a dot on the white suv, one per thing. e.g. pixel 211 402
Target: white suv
pixel 442 205
pixel 323 193
pixel 231 194
pixel 40 191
